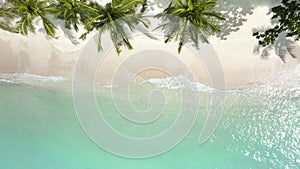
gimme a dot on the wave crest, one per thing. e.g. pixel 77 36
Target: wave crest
pixel 30 79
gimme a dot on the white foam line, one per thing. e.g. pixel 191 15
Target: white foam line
pixel 20 77
pixel 8 81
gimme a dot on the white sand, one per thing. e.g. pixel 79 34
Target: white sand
pixel 36 54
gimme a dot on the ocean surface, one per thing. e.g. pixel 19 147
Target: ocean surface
pixel 39 129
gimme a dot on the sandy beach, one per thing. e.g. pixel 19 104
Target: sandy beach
pixel 228 104
pixel 37 54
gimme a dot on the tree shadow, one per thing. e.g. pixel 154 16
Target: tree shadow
pixel 235 12
pixel 281 48
pixel 60 24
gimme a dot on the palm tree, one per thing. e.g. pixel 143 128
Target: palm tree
pixel 6 17
pixel 71 11
pixel 196 19
pixel 119 18
pixel 190 20
pixel 29 10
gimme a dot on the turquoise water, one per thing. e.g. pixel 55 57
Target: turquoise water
pixel 260 129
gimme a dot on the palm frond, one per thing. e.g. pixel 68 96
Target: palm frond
pixel 118 18
pixel 199 20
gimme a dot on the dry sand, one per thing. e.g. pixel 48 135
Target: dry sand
pixel 36 54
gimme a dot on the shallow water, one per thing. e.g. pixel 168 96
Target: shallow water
pixel 260 128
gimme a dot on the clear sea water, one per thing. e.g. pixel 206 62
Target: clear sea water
pixel 260 129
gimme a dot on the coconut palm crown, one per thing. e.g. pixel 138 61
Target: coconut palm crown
pixel 6 15
pixel 190 20
pixel 25 12
pixel 70 11
pixel 196 19
pixel 118 18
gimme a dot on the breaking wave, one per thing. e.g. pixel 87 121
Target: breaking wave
pixel 33 80
pixel 177 82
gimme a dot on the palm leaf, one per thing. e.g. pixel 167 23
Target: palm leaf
pixel 199 20
pixel 118 18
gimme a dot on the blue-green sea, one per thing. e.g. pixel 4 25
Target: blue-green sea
pixel 259 129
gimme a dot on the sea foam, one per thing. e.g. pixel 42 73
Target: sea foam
pixel 177 82
pixel 26 78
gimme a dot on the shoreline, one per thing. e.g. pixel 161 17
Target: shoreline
pixel 171 83
pixel 36 54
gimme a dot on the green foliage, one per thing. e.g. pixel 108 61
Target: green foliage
pixel 70 11
pixel 119 18
pixel 28 11
pixel 6 14
pixel 115 17
pixel 144 6
pixel 288 16
pixel 198 20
